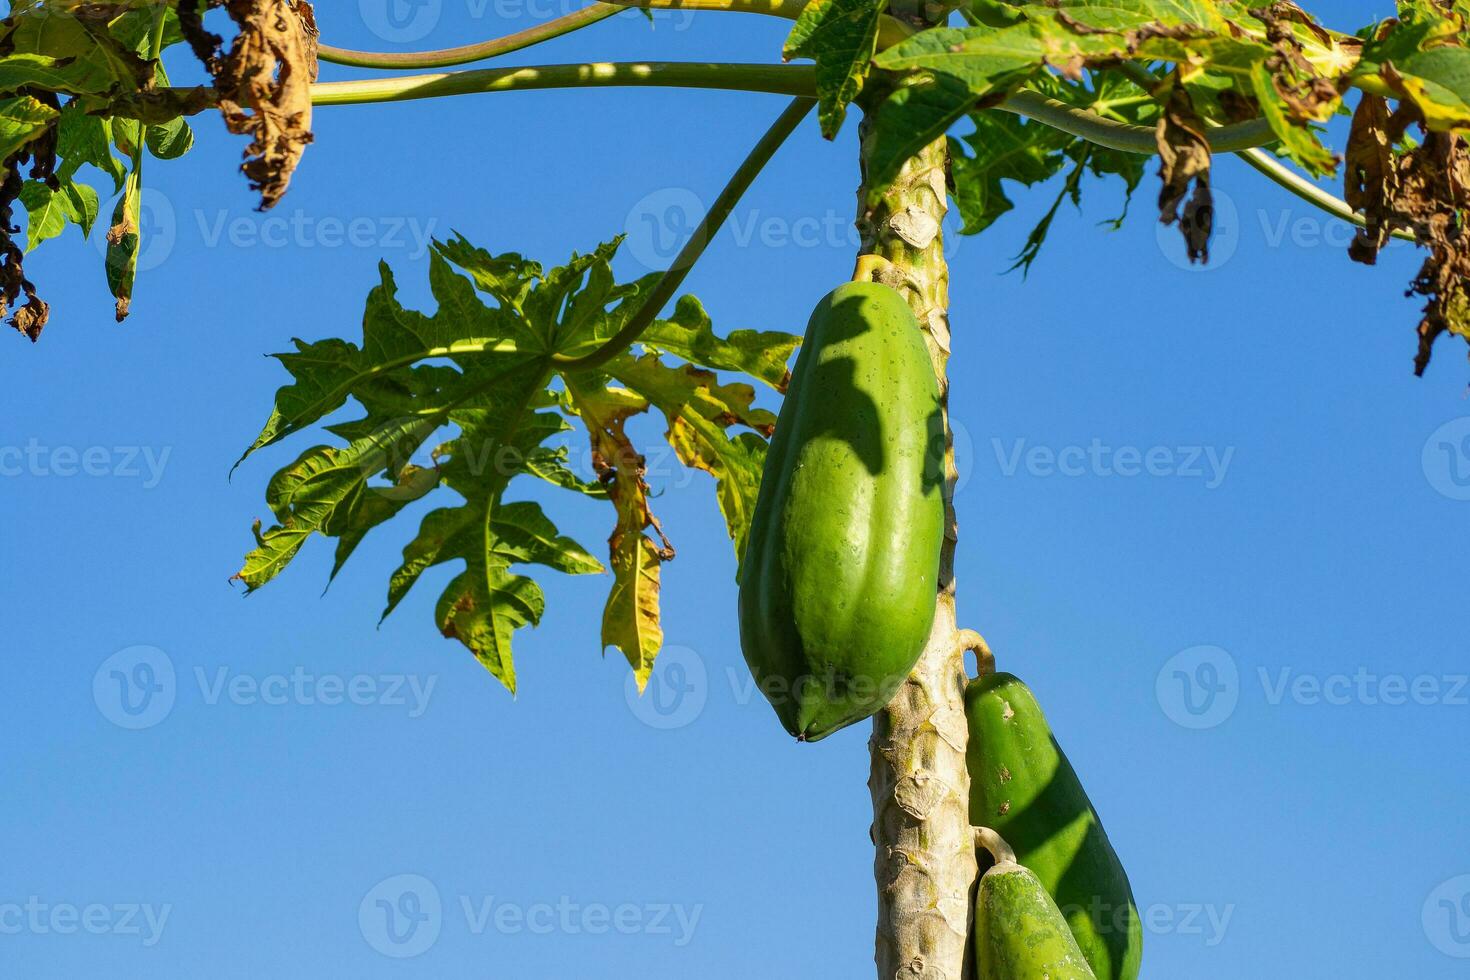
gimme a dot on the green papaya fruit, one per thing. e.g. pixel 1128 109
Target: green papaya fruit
pixel 1019 931
pixel 842 563
pixel 1022 786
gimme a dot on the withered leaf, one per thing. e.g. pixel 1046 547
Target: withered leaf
pixel 264 83
pixel 1184 156
pixel 1423 189
pixel 31 316
pixel 1371 177
pixel 631 618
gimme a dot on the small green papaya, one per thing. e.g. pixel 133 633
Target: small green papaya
pixel 1019 931
pixel 1023 787
pixel 842 563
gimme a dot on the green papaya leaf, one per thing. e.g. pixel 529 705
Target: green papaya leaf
pixel 48 211
pixel 22 119
pixel 477 370
pixel 1003 147
pixel 840 36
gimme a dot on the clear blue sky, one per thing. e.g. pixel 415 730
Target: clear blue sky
pixel 1278 811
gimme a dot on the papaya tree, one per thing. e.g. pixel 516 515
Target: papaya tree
pixel 959 105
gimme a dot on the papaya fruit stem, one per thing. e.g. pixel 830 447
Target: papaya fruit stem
pixel 995 844
pixel 969 641
pixel 871 268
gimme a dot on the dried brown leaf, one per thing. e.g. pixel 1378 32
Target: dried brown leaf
pixel 1425 190
pixel 1307 95
pixel 1372 177
pixel 30 317
pixel 264 83
pixel 1184 155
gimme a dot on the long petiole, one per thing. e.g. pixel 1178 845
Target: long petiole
pixel 890 29
pixel 668 284
pixel 1268 165
pixel 465 54
pixel 796 80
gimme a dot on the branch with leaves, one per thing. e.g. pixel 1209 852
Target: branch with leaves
pixel 1104 84
pixel 1067 88
pixel 552 350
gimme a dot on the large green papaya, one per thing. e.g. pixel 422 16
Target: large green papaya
pixel 1023 787
pixel 1019 931
pixel 841 570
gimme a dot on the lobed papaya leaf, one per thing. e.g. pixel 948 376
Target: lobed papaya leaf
pixel 478 367
pixel 328 372
pixel 485 603
pixel 1006 148
pixel 912 117
pixel 1003 147
pixel 840 36
pixel 689 334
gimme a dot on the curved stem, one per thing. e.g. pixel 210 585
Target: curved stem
pixel 891 30
pixel 796 80
pixel 468 53
pixel 1243 139
pixel 969 641
pixel 995 844
pixel 785 9
pixel 670 281
pixel 799 80
pixel 155 40
pixel 1126 136
pixel 1308 191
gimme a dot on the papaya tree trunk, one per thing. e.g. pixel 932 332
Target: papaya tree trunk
pixel 925 861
